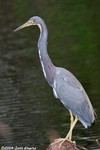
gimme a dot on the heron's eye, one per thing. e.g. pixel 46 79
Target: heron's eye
pixel 31 22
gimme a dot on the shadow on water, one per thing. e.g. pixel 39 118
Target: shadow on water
pixel 28 109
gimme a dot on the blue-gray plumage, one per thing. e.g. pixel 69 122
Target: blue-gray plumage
pixel 73 96
pixel 65 85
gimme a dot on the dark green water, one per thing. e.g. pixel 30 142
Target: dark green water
pixel 28 109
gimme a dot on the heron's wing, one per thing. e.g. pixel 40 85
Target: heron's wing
pixel 73 96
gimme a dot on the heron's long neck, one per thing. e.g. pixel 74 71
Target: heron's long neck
pixel 47 65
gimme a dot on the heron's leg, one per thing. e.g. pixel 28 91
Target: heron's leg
pixel 70 131
pixel 71 122
pixel 69 135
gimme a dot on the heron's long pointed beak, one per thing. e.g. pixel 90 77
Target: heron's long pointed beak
pixel 28 23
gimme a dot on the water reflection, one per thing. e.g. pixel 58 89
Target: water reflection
pixel 28 109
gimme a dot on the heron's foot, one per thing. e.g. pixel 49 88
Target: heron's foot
pixel 59 140
pixel 66 139
pixel 62 140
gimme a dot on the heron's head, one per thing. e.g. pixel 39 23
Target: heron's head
pixel 32 21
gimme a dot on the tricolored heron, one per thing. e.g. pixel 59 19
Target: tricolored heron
pixel 65 85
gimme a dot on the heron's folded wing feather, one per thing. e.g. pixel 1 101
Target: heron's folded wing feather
pixel 73 96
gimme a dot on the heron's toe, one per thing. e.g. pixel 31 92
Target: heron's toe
pixel 57 140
